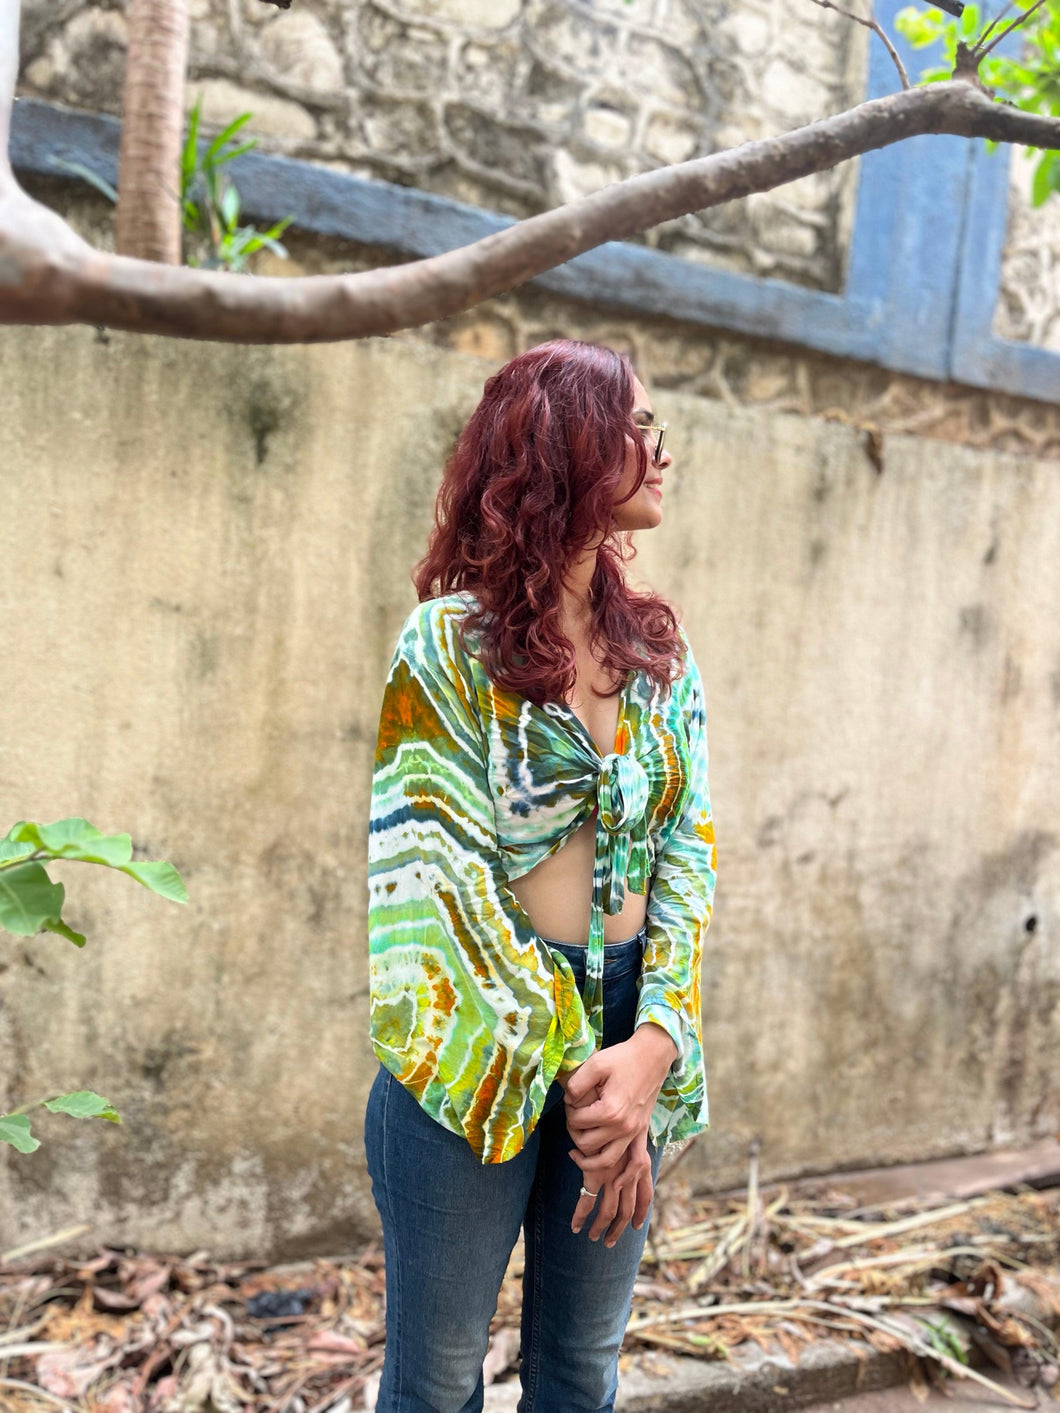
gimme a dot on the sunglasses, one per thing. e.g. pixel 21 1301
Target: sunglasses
pixel 658 431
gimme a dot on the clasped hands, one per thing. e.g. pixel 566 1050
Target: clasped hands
pixel 609 1100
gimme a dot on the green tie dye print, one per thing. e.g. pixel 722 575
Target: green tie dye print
pixel 472 786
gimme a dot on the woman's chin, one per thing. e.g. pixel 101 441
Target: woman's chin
pixel 644 518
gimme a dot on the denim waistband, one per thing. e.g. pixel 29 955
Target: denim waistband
pixel 613 951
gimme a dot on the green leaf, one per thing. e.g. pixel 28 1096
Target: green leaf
pixel 12 850
pixel 211 181
pixel 942 1338
pixel 28 899
pixel 236 151
pixel 230 207
pixel 83 1104
pixel 1016 73
pixel 273 245
pixel 75 838
pixel 78 840
pixel 14 1129
pixel 919 27
pixel 225 135
pixel 1044 182
pixel 190 151
pixel 30 902
pixel 86 174
pixel 244 243
pixel 161 877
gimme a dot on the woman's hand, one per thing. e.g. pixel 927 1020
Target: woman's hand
pixel 624 1196
pixel 609 1099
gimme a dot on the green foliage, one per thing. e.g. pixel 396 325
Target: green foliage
pixel 30 903
pixel 924 27
pixel 1030 82
pixel 81 1104
pixel 210 202
pixel 78 169
pixel 14 1129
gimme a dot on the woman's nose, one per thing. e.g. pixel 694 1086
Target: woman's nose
pixel 665 460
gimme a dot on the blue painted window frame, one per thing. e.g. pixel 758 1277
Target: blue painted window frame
pixel 923 268
pixel 979 357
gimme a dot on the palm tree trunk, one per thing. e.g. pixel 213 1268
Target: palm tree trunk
pixel 148 224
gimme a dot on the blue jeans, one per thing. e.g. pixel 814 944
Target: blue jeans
pixel 450 1224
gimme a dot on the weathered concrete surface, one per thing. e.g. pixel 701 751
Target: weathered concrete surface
pixel 750 1381
pixel 206 557
pixel 949 1396
pixel 830 1374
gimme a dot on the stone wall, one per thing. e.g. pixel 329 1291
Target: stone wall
pixel 207 554
pixel 514 105
pixel 1028 309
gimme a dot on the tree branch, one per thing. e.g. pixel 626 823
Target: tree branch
pixel 876 28
pixel 49 275
pixel 994 23
pixel 981 53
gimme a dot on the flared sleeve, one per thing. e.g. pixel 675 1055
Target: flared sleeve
pixel 680 901
pixel 470 1010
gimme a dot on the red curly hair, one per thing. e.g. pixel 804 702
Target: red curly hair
pixel 530 482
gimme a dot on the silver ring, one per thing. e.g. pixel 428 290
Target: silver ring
pixel 586 1193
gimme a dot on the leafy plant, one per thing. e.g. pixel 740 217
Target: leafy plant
pixel 1030 82
pixel 78 169
pixel 210 203
pixel 82 1104
pixel 30 903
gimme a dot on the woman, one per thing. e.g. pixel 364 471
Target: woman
pixel 541 874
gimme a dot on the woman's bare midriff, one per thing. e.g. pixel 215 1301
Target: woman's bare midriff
pixel 557 893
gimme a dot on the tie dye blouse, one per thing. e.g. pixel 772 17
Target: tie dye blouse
pixel 472 786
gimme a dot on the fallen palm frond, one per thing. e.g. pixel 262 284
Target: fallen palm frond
pixel 121 1333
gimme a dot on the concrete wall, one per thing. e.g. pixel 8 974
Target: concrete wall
pixel 206 555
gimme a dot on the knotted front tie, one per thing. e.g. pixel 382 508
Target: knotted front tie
pixel 622 797
pixel 621 858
